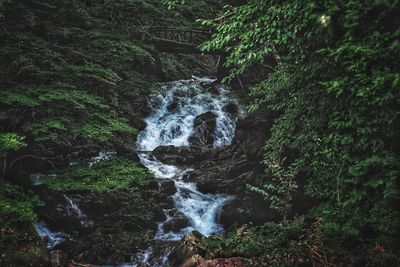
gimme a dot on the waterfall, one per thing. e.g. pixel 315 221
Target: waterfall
pixel 76 211
pixel 52 239
pixel 172 123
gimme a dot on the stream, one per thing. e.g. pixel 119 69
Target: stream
pixel 166 127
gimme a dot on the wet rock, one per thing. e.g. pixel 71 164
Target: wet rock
pixel 250 136
pixel 227 176
pixel 187 247
pixel 58 258
pixel 182 155
pixel 67 245
pixel 176 223
pixel 212 88
pixel 207 84
pixel 155 102
pixel 159 214
pixel 208 117
pixel 57 211
pixel 231 168
pixel 99 207
pixel 231 108
pixel 167 187
pixel 167 203
pixel 173 106
pixel 204 126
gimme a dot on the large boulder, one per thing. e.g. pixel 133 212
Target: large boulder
pixel 176 223
pixel 182 155
pixel 188 246
pixel 250 136
pixel 228 175
pixel 58 210
pixel 167 187
pixel 173 106
pixel 204 126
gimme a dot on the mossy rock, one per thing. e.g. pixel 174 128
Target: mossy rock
pixel 33 253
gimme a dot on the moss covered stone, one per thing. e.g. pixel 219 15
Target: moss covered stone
pixel 116 173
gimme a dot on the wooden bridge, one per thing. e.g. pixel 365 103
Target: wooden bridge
pixel 174 39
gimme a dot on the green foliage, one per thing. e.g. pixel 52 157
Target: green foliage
pixel 16 210
pixel 272 244
pixel 334 90
pixel 252 31
pixel 16 206
pixel 60 87
pixel 62 113
pixel 370 228
pixel 108 175
pixel 10 142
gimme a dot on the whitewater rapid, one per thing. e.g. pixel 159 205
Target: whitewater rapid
pixel 174 126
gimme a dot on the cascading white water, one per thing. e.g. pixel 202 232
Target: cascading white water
pixel 173 127
pixel 51 238
pixel 76 211
pixel 172 123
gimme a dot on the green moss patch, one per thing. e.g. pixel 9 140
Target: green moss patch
pixel 16 218
pixel 109 175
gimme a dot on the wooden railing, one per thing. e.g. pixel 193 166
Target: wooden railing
pixel 178 35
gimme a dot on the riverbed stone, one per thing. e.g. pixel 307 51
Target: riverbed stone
pixel 187 247
pixel 183 155
pixel 204 127
pixel 176 223
pixel 173 106
pixel 167 187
